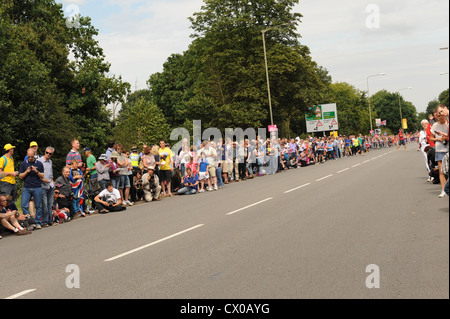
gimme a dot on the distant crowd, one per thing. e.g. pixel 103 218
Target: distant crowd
pixel 121 177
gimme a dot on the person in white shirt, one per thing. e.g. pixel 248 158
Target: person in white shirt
pixel 211 155
pixel 109 200
pixel 423 143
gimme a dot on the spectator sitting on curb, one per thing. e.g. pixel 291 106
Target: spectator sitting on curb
pixel 109 200
pixel 190 183
pixel 8 219
pixel 59 214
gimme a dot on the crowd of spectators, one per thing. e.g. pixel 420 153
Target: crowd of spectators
pixel 122 177
pixel 434 144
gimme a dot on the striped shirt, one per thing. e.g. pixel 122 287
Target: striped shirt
pixel 73 155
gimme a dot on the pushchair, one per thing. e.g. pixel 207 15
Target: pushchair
pixel 433 165
pixel 90 192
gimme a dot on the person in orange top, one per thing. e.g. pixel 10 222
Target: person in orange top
pixel 401 140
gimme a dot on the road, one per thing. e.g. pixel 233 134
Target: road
pixel 306 233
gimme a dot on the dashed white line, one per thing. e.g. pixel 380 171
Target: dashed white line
pixel 320 179
pixel 294 189
pixel 366 161
pixel 20 294
pixel 356 165
pixel 153 243
pixel 343 170
pixel 241 209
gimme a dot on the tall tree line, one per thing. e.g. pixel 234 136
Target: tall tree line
pixel 220 79
pixel 54 80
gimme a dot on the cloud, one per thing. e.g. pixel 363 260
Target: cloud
pixel 139 35
pixel 405 45
pixel 143 34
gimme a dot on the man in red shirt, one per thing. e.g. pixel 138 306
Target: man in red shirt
pixel 401 140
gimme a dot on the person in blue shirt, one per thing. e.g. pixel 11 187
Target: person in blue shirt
pixel 32 172
pixel 348 146
pixel 330 150
pixel 203 173
pixel 189 184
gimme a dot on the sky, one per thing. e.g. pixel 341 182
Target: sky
pixel 353 40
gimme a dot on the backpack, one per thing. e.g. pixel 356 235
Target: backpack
pixel 6 162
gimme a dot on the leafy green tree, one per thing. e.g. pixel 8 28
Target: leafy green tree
pixel 388 104
pixel 443 98
pixel 431 106
pixel 44 95
pixel 221 78
pixel 141 122
pixel 352 108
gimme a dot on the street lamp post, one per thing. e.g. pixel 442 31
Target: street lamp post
pixel 267 74
pixel 368 96
pixel 399 104
pixel 267 68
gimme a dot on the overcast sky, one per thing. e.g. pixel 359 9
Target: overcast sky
pixel 351 39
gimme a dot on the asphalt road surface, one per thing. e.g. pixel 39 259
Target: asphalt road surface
pixel 363 227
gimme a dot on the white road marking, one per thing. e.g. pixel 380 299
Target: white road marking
pixel 240 209
pixel 20 294
pixel 153 243
pixel 343 170
pixel 320 179
pixel 366 161
pixel 356 165
pixel 294 189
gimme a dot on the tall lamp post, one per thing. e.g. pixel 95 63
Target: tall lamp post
pixel 267 68
pixel 368 96
pixel 400 105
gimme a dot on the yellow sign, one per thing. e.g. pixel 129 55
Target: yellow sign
pixel 405 124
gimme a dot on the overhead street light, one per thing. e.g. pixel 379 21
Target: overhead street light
pixel 267 68
pixel 368 96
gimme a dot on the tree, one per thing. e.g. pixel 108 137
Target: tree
pixel 352 108
pixel 44 95
pixel 221 78
pixel 431 106
pixel 387 105
pixel 140 122
pixel 443 98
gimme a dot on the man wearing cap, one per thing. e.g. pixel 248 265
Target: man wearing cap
pixel 102 167
pixel 151 186
pixel 34 146
pixel 8 181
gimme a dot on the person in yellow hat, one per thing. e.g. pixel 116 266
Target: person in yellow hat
pixel 33 145
pixel 8 173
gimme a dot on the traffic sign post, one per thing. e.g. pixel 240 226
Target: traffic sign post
pixel 324 118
